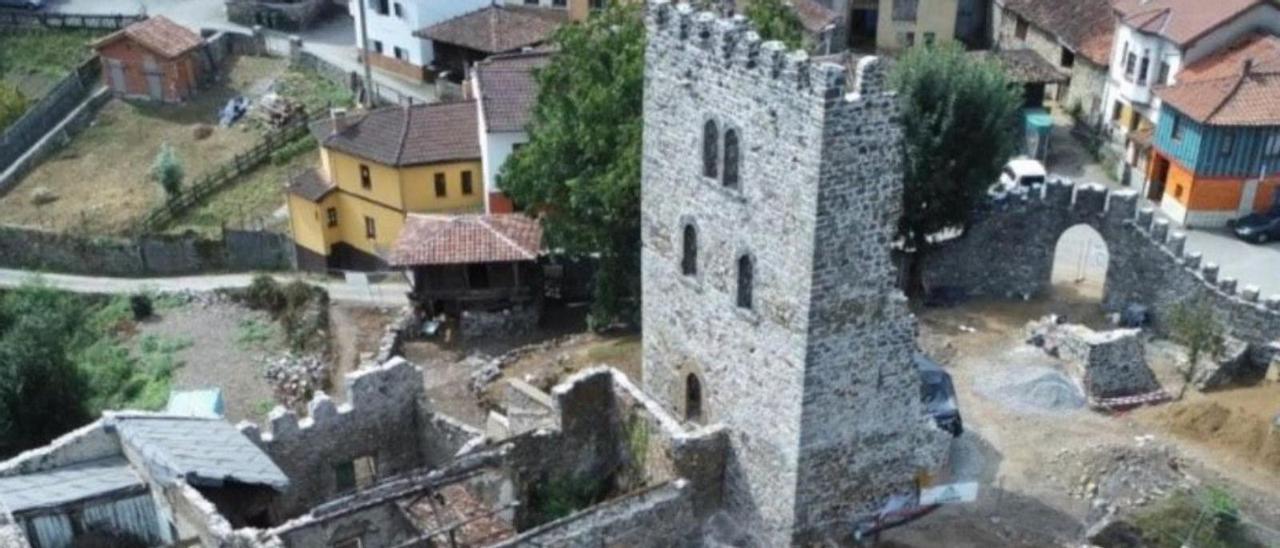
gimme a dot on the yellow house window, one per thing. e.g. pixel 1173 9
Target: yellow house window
pixel 366 181
pixel 441 188
pixel 332 215
pixel 370 229
pixel 466 183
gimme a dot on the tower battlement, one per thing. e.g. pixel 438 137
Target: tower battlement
pixel 733 42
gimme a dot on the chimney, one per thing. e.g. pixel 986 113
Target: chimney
pixel 337 119
pixel 1247 66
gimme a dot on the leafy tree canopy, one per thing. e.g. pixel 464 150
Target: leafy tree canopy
pixel 581 167
pixel 776 20
pixel 960 125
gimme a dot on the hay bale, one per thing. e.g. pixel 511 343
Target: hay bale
pixel 202 131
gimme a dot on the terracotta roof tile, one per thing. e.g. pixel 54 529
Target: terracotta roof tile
pixel 1182 21
pixel 406 136
pixel 466 239
pixel 497 28
pixel 1085 26
pixel 158 34
pixel 1240 100
pixel 1262 49
pixel 814 16
pixel 310 185
pixel 508 89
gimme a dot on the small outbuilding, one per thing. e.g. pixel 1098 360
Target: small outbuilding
pixel 153 59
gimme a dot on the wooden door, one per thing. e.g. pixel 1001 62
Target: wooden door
pixel 116 71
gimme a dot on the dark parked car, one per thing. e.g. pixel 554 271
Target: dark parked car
pixel 24 4
pixel 939 395
pixel 1258 228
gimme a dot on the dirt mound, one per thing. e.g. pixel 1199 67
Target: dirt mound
pixel 1235 429
pixel 1120 476
pixel 1028 381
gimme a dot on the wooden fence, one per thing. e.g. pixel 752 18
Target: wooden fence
pixel 216 180
pixel 34 19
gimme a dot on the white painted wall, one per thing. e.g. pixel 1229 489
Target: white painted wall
pixel 397 31
pixel 495 147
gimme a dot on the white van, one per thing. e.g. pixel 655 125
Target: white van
pixel 1018 177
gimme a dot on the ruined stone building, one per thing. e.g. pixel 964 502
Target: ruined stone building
pixel 779 403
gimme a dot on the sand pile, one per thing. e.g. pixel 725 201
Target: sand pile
pixel 1237 430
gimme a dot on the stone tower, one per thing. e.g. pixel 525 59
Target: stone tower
pixel 771 190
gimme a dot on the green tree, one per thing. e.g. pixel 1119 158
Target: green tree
pixel 42 392
pixel 776 20
pixel 12 105
pixel 581 167
pixel 959 120
pixel 1193 325
pixel 168 171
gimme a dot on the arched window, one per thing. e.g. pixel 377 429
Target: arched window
pixel 689 256
pixel 731 158
pixel 710 149
pixel 692 398
pixel 746 279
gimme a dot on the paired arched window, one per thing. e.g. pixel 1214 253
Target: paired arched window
pixel 731 158
pixel 746 281
pixel 692 398
pixel 710 149
pixel 689 251
pixel 721 163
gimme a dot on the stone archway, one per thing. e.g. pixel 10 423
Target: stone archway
pixel 1080 261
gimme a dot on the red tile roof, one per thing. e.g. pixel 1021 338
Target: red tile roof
pixel 1085 26
pixel 814 16
pixel 1240 99
pixel 407 135
pixel 1182 21
pixel 466 239
pixel 1262 49
pixel 498 28
pixel 508 89
pixel 158 34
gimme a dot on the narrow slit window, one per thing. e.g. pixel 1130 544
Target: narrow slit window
pixel 710 149
pixel 689 258
pixel 732 157
pixel 746 281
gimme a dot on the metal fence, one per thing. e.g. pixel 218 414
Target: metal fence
pixel 38 19
pixel 224 175
pixel 64 98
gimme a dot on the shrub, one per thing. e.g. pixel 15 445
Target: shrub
pixel 12 104
pixel 264 293
pixel 141 307
pixel 284 154
pixel 168 171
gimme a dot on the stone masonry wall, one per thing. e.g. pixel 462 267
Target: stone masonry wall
pixel 382 420
pixel 812 211
pixel 1149 263
pixel 1110 364
pixel 659 517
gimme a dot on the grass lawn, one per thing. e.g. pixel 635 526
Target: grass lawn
pixel 101 179
pixel 313 90
pixel 34 60
pixel 254 198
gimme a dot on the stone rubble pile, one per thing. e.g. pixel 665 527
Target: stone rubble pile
pixel 394 334
pixel 1233 364
pixel 294 379
pixel 1120 477
pixel 486 370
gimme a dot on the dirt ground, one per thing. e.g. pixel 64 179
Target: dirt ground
pixel 1041 471
pixel 229 346
pixel 356 331
pixel 110 160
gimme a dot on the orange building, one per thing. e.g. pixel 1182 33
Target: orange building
pixel 154 59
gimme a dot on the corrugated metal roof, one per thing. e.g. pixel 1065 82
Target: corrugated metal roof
pixel 69 484
pixel 203 451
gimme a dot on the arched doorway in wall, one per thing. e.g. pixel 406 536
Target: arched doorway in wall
pixel 1080 262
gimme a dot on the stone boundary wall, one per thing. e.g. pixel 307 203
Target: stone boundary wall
pixel 659 516
pixel 1009 248
pixel 151 255
pixel 62 100
pixel 298 15
pixel 19 18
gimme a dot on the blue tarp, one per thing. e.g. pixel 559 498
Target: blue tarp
pixel 195 403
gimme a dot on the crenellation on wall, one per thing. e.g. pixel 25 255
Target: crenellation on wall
pixel 1121 206
pixel 1209 272
pixel 1091 199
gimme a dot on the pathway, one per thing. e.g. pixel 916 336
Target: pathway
pixel 387 293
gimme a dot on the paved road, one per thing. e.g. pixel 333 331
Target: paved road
pixel 333 41
pixel 389 293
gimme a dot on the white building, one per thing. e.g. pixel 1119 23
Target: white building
pixel 505 92
pixel 1154 39
pixel 391 25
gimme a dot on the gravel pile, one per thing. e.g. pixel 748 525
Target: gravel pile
pixel 1027 381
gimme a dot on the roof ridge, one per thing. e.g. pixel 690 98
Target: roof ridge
pixel 485 221
pixel 404 133
pixel 1228 96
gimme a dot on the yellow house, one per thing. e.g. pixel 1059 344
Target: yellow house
pixel 377 167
